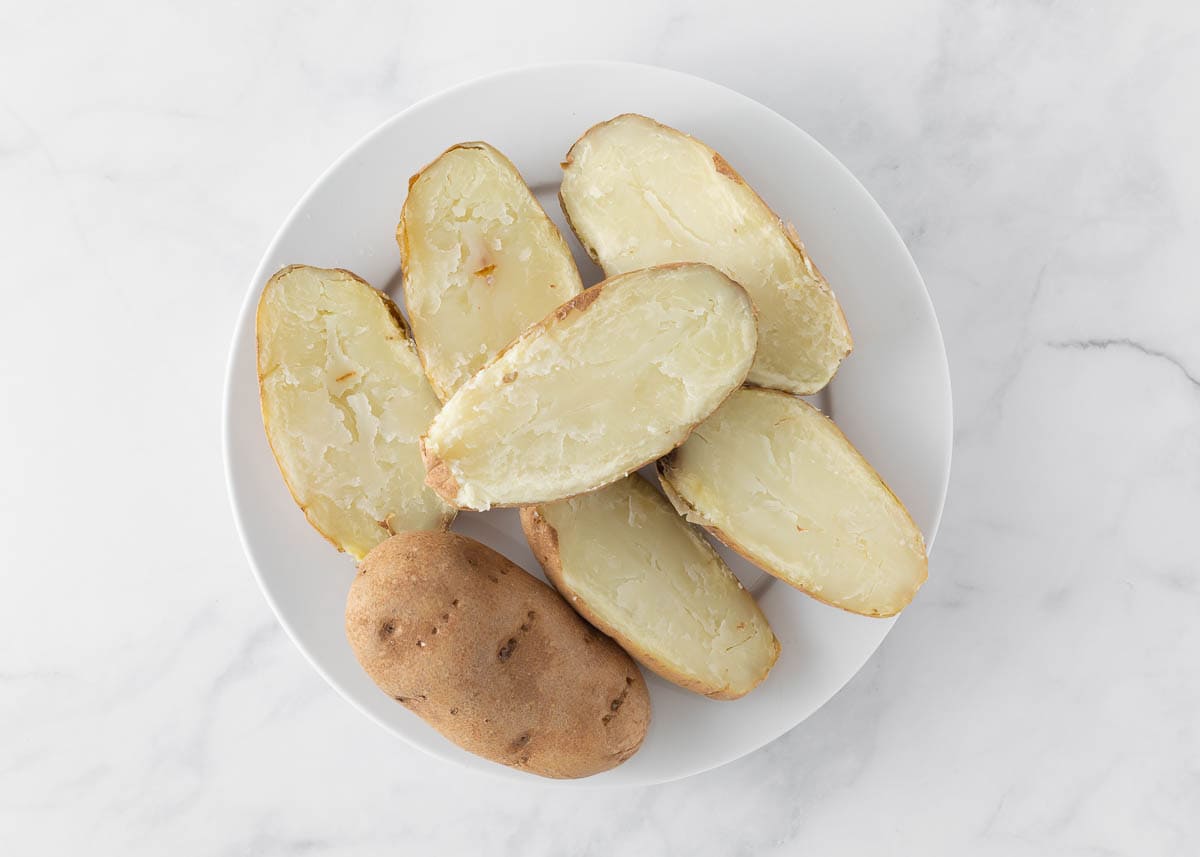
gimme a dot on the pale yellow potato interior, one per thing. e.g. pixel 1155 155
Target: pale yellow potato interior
pixel 589 395
pixel 657 586
pixel 344 403
pixel 481 259
pixel 784 486
pixel 638 193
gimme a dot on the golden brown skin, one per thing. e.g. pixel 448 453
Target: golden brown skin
pixel 493 658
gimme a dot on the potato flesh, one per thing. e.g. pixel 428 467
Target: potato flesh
pixel 344 403
pixel 638 194
pixel 655 584
pixel 592 393
pixel 780 483
pixel 481 262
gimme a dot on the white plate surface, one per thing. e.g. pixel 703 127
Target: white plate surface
pixel 891 397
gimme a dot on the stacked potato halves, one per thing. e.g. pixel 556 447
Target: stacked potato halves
pixel 551 396
pixel 638 193
pixel 767 474
pixel 612 378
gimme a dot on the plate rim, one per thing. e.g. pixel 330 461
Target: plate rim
pixel 245 316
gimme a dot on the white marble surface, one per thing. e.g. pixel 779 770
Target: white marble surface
pixel 1042 696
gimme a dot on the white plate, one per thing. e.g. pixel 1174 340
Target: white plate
pixel 891 397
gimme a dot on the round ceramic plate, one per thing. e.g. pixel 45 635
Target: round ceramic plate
pixel 891 397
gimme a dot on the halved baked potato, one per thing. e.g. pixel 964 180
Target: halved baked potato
pixel 609 381
pixel 777 481
pixel 638 193
pixel 481 261
pixel 646 577
pixel 344 402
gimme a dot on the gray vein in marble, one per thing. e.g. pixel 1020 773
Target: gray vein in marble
pixel 1127 344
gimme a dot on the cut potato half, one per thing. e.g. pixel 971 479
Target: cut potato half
pixel 481 261
pixel 344 402
pixel 644 576
pixel 609 381
pixel 774 478
pixel 638 193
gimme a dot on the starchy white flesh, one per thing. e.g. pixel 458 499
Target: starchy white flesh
pixel 638 193
pixel 647 578
pixel 776 480
pixel 481 261
pixel 606 383
pixel 344 403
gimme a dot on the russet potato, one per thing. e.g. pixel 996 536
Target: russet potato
pixel 646 577
pixel 481 261
pixel 493 658
pixel 609 381
pixel 638 193
pixel 344 402
pixel 777 481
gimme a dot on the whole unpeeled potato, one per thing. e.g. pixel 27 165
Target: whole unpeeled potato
pixel 493 658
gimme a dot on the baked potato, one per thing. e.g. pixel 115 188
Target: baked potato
pixel 609 381
pixel 344 402
pixel 493 658
pixel 638 193
pixel 641 574
pixel 774 478
pixel 481 261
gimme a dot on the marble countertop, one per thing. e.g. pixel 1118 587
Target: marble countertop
pixel 1041 696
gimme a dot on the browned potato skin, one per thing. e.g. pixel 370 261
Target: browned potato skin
pixel 493 658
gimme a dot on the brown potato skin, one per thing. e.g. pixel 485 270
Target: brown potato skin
pixel 493 658
pixel 543 541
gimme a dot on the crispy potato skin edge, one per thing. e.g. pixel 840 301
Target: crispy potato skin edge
pixel 438 475
pixel 664 467
pixel 723 168
pixel 401 326
pixel 543 541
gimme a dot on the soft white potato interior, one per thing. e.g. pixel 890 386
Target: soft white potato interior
pixel 639 193
pixel 482 261
pixel 779 482
pixel 657 586
pixel 344 403
pixel 602 386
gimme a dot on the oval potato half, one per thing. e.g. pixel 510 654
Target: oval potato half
pixel 774 478
pixel 481 261
pixel 493 658
pixel 638 193
pixel 637 571
pixel 609 381
pixel 344 402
